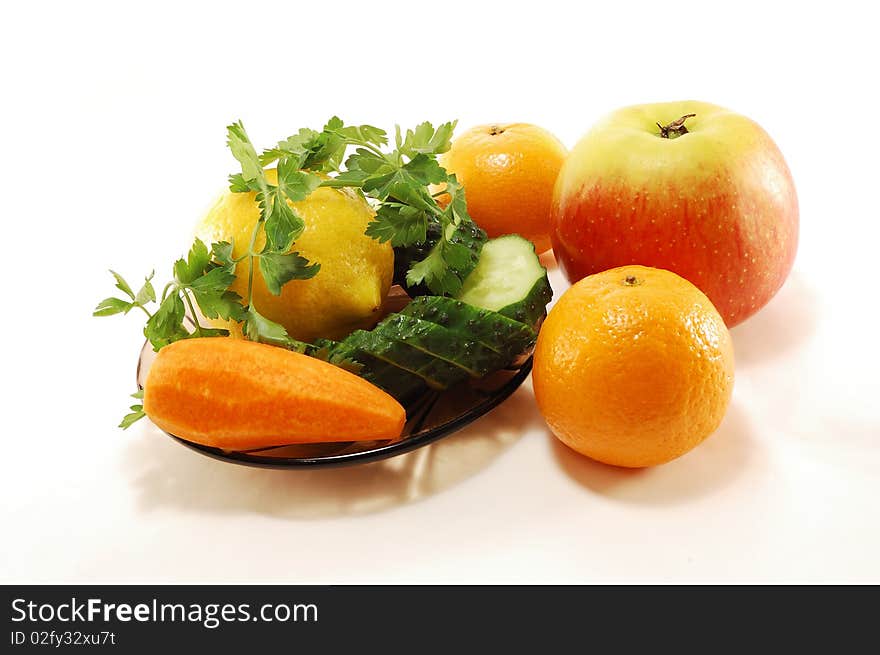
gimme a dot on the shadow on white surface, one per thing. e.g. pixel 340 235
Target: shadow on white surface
pixel 707 468
pixel 784 323
pixel 167 474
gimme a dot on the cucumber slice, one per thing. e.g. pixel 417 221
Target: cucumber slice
pixel 510 280
pixel 457 348
pixel 434 342
pixel 401 384
pixel 437 373
pixel 437 341
pixel 507 337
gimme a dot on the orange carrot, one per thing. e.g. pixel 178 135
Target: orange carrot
pixel 238 395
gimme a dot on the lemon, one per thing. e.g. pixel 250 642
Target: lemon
pixel 356 270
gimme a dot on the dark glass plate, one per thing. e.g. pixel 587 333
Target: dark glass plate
pixel 433 415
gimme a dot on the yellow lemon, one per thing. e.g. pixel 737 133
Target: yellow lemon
pixel 356 270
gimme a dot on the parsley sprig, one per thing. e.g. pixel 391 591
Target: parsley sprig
pixel 111 306
pixel 198 279
pixel 400 181
pixel 278 221
pixel 136 413
pixel 441 243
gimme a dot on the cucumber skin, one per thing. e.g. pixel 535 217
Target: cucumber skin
pixel 401 384
pixel 467 235
pixel 462 341
pixel 437 373
pixel 508 337
pixel 532 309
pixel 468 240
pixel 457 348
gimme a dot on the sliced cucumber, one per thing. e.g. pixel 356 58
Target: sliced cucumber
pixel 434 342
pixel 457 348
pixel 437 373
pixel 401 384
pixel 437 341
pixel 509 279
pixel 508 337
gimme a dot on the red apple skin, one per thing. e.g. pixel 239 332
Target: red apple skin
pixel 716 205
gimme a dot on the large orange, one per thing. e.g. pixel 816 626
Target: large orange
pixel 633 367
pixel 508 172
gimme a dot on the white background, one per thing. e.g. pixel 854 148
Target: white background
pixel 113 145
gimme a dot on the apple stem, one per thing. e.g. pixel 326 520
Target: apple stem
pixel 631 281
pixel 676 128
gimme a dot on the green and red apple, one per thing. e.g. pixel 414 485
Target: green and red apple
pixel 685 186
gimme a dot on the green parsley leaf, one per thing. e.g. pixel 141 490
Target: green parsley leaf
pixel 166 325
pixel 362 134
pixel 259 328
pixel 335 123
pixel 111 306
pixel 434 271
pixel 368 162
pixel 225 305
pixel 214 298
pixel 400 186
pixel 243 150
pixel 283 226
pixel 451 258
pixel 122 285
pixel 137 413
pixel 146 293
pixel 221 251
pixel 296 147
pixel 327 149
pixel 426 140
pixel 350 178
pixel 400 180
pixel 237 184
pixel 425 170
pixel 185 271
pixel 294 183
pixel 213 332
pixel 216 279
pixel 402 225
pixel 279 222
pixel 457 207
pixel 278 269
pixel 460 259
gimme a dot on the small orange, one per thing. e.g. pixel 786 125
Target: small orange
pixel 633 367
pixel 508 172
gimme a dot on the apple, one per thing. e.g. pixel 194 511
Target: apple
pixel 686 186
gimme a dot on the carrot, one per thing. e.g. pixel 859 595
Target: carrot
pixel 239 395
